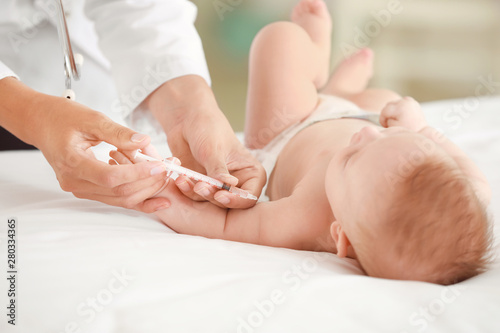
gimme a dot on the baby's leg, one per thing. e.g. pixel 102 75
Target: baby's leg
pixel 350 81
pixel 288 63
pixel 352 75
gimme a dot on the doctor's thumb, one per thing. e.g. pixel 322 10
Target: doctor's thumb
pixel 122 137
pixel 217 168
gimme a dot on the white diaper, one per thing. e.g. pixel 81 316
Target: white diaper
pixel 329 107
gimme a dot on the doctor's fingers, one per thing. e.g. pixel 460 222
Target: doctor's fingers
pixel 187 187
pixel 119 136
pixel 202 191
pixel 229 200
pixel 83 187
pixel 129 156
pixel 199 191
pixel 252 185
pixel 111 176
pixel 119 158
pixel 137 195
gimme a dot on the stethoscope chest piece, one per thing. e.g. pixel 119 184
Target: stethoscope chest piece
pixel 69 94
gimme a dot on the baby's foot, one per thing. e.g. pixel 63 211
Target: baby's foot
pixel 353 74
pixel 314 18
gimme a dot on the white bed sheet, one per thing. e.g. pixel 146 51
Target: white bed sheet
pixel 87 267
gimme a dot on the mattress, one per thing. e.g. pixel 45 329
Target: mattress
pixel 83 266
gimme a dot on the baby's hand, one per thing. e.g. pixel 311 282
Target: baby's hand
pixel 405 113
pixel 199 218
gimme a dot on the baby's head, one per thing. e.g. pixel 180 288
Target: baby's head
pixel 406 208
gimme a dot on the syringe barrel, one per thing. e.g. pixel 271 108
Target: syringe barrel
pixel 171 166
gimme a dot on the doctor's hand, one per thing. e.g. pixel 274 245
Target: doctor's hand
pixel 65 131
pixel 199 135
pixel 75 129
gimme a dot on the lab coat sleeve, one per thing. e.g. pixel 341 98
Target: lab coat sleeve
pixel 147 44
pixel 6 71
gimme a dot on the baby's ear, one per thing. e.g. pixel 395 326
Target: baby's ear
pixel 340 239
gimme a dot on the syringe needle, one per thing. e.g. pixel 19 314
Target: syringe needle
pixel 242 193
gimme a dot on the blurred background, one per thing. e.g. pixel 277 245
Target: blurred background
pixel 428 49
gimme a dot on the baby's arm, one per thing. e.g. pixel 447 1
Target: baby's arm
pixel 268 223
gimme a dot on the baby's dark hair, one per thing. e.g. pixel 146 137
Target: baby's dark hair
pixel 436 229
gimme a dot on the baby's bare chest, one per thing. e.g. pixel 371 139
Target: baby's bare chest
pixel 310 151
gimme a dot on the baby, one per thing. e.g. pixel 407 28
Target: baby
pixel 400 198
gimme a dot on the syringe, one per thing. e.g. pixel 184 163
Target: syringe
pixel 172 167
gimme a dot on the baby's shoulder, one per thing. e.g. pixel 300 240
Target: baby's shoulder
pixel 310 195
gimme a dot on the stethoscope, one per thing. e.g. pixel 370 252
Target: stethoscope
pixel 72 61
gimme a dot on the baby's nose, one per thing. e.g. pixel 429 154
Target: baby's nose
pixel 369 133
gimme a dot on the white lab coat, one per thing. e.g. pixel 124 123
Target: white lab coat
pixel 130 48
